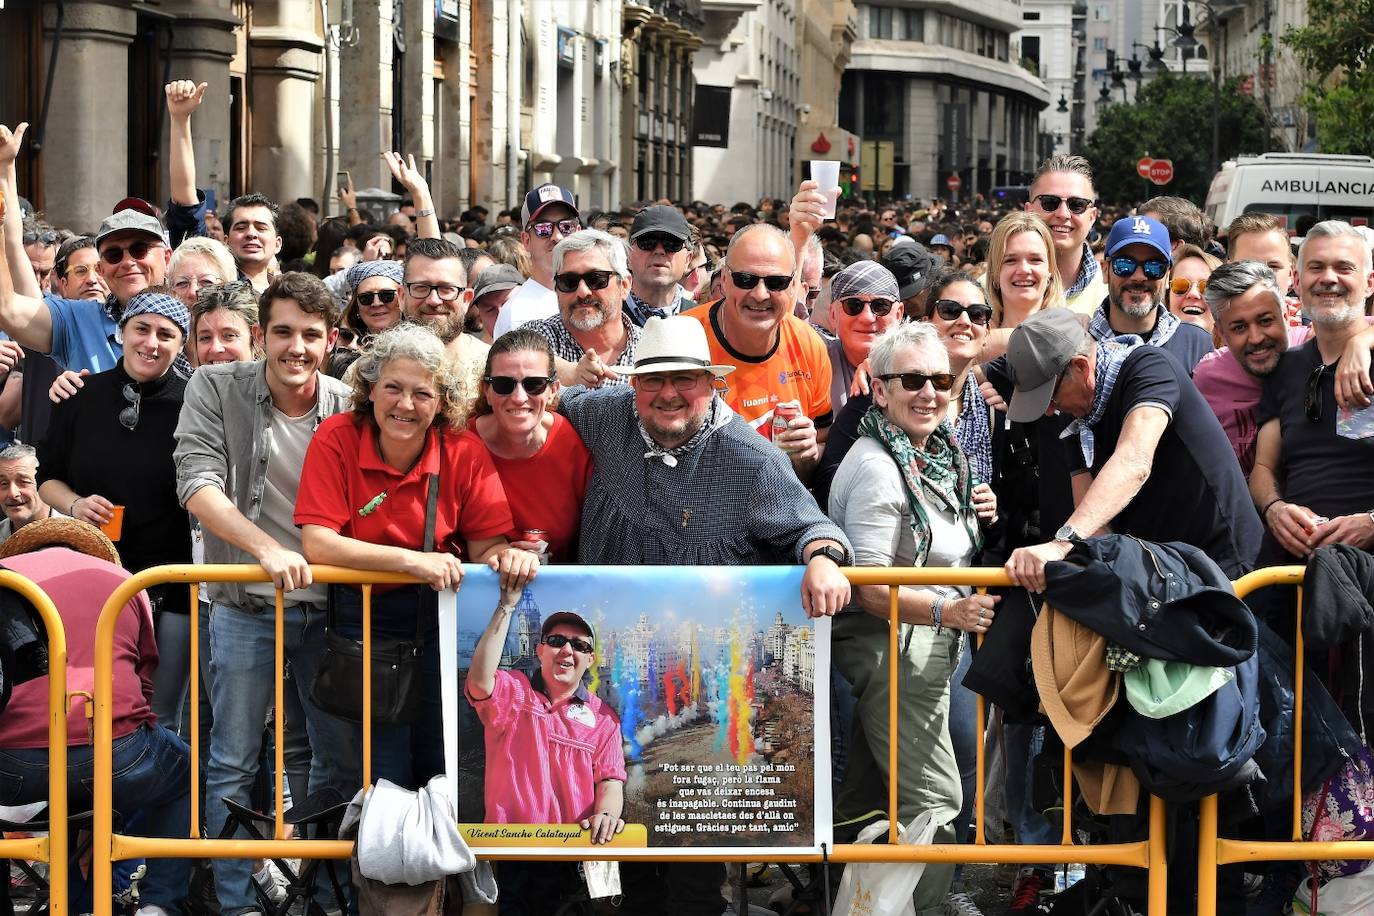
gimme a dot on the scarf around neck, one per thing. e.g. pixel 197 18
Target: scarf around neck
pixel 938 472
pixel 1111 354
pixel 1166 323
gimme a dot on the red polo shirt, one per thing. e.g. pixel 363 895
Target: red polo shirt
pixel 344 471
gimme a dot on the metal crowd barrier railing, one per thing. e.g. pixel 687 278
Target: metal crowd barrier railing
pixel 51 849
pixel 1215 850
pixel 109 847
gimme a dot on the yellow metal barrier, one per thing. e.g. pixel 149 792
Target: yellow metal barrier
pixel 51 849
pixel 1214 850
pixel 1148 853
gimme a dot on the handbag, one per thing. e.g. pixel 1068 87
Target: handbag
pixel 337 688
pixel 882 889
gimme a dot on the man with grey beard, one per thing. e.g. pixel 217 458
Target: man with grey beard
pixel 591 334
pixel 1139 253
pixel 1313 481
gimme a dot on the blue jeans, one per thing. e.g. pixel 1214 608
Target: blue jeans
pixel 408 755
pixel 242 655
pixel 963 733
pixel 151 787
pixel 1022 743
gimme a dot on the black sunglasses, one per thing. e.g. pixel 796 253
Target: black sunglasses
pixel 915 381
pixel 544 228
pixel 128 417
pixel 385 296
pixel 558 641
pixel 115 253
pixel 854 306
pixel 595 279
pixel 1124 266
pixel 503 385
pixel 650 242
pixel 950 310
pixel 44 237
pixel 1050 202
pixel 775 283
pixel 1313 404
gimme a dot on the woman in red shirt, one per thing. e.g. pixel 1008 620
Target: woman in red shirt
pixel 539 457
pixel 364 503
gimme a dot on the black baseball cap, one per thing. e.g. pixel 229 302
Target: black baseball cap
pixel 567 617
pixel 663 219
pixel 913 266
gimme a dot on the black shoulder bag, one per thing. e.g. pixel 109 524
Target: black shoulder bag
pixel 395 663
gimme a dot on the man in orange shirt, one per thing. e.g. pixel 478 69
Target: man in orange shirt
pixel 778 357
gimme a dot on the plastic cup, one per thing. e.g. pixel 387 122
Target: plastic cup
pixel 115 526
pixel 826 174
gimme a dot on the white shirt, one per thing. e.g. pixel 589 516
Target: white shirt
pixel 531 301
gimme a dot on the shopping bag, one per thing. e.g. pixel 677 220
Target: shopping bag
pixel 873 889
pixel 1352 895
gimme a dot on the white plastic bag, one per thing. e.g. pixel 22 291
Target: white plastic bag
pixel 874 889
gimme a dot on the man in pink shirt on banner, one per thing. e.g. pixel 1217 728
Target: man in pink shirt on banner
pixel 553 750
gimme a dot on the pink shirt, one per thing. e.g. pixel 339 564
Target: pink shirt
pixel 78 586
pixel 1233 394
pixel 544 759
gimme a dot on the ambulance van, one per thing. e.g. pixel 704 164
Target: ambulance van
pixel 1292 186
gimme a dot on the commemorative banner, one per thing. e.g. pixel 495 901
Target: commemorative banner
pixel 707 687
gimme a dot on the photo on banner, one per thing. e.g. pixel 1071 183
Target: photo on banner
pixel 719 683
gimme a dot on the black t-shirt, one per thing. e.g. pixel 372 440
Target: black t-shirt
pixel 1320 469
pixel 87 448
pixel 39 373
pixel 1196 492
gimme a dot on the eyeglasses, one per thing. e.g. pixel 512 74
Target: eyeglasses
pixel 950 310
pixel 558 641
pixel 1051 202
pixel 813 293
pixel 595 279
pixel 775 283
pixel 504 385
pixel 128 417
pixel 386 296
pixel 44 237
pixel 854 306
pixel 1179 286
pixel 79 272
pixel 544 228
pixel 915 381
pixel 446 292
pixel 683 382
pixel 182 284
pixel 1312 405
pixel 113 254
pixel 650 242
pixel 1123 265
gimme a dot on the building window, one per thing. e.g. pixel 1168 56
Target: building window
pixel 880 22
pixel 1031 15
pixel 915 23
pixel 1102 12
pixel 1030 50
pixel 1099 44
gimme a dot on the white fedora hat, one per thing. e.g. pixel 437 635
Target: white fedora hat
pixel 673 344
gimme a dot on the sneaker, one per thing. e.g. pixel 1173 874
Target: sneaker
pixel 961 904
pixel 1025 896
pixel 272 882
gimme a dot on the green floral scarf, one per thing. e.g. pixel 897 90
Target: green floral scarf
pixel 940 472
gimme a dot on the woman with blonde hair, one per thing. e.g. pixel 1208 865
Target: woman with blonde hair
pixel 1022 278
pixel 199 262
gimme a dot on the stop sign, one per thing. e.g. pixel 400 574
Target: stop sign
pixel 1143 167
pixel 954 183
pixel 1162 171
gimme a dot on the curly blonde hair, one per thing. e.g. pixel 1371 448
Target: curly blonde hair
pixel 408 340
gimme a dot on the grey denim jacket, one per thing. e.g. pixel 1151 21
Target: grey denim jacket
pixel 223 441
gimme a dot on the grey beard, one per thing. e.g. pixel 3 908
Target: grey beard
pixel 1333 318
pixel 587 324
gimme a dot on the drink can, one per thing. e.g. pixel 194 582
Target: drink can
pixel 784 413
pixel 538 536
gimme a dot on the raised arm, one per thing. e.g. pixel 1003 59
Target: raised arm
pixel 183 98
pixel 486 657
pixel 404 171
pixel 23 316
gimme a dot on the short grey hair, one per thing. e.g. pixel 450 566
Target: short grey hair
pixel 918 334
pixel 18 451
pixel 1236 278
pixel 615 250
pixel 1335 229
pixel 409 340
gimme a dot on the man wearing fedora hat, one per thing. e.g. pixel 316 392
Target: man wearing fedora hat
pixel 680 480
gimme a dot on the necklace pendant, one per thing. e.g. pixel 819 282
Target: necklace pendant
pixel 686 517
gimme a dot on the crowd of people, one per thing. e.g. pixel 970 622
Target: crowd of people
pixel 907 385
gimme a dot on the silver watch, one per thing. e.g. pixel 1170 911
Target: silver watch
pixel 1065 533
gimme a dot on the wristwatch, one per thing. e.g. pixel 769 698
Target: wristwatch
pixel 832 553
pixel 1066 533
